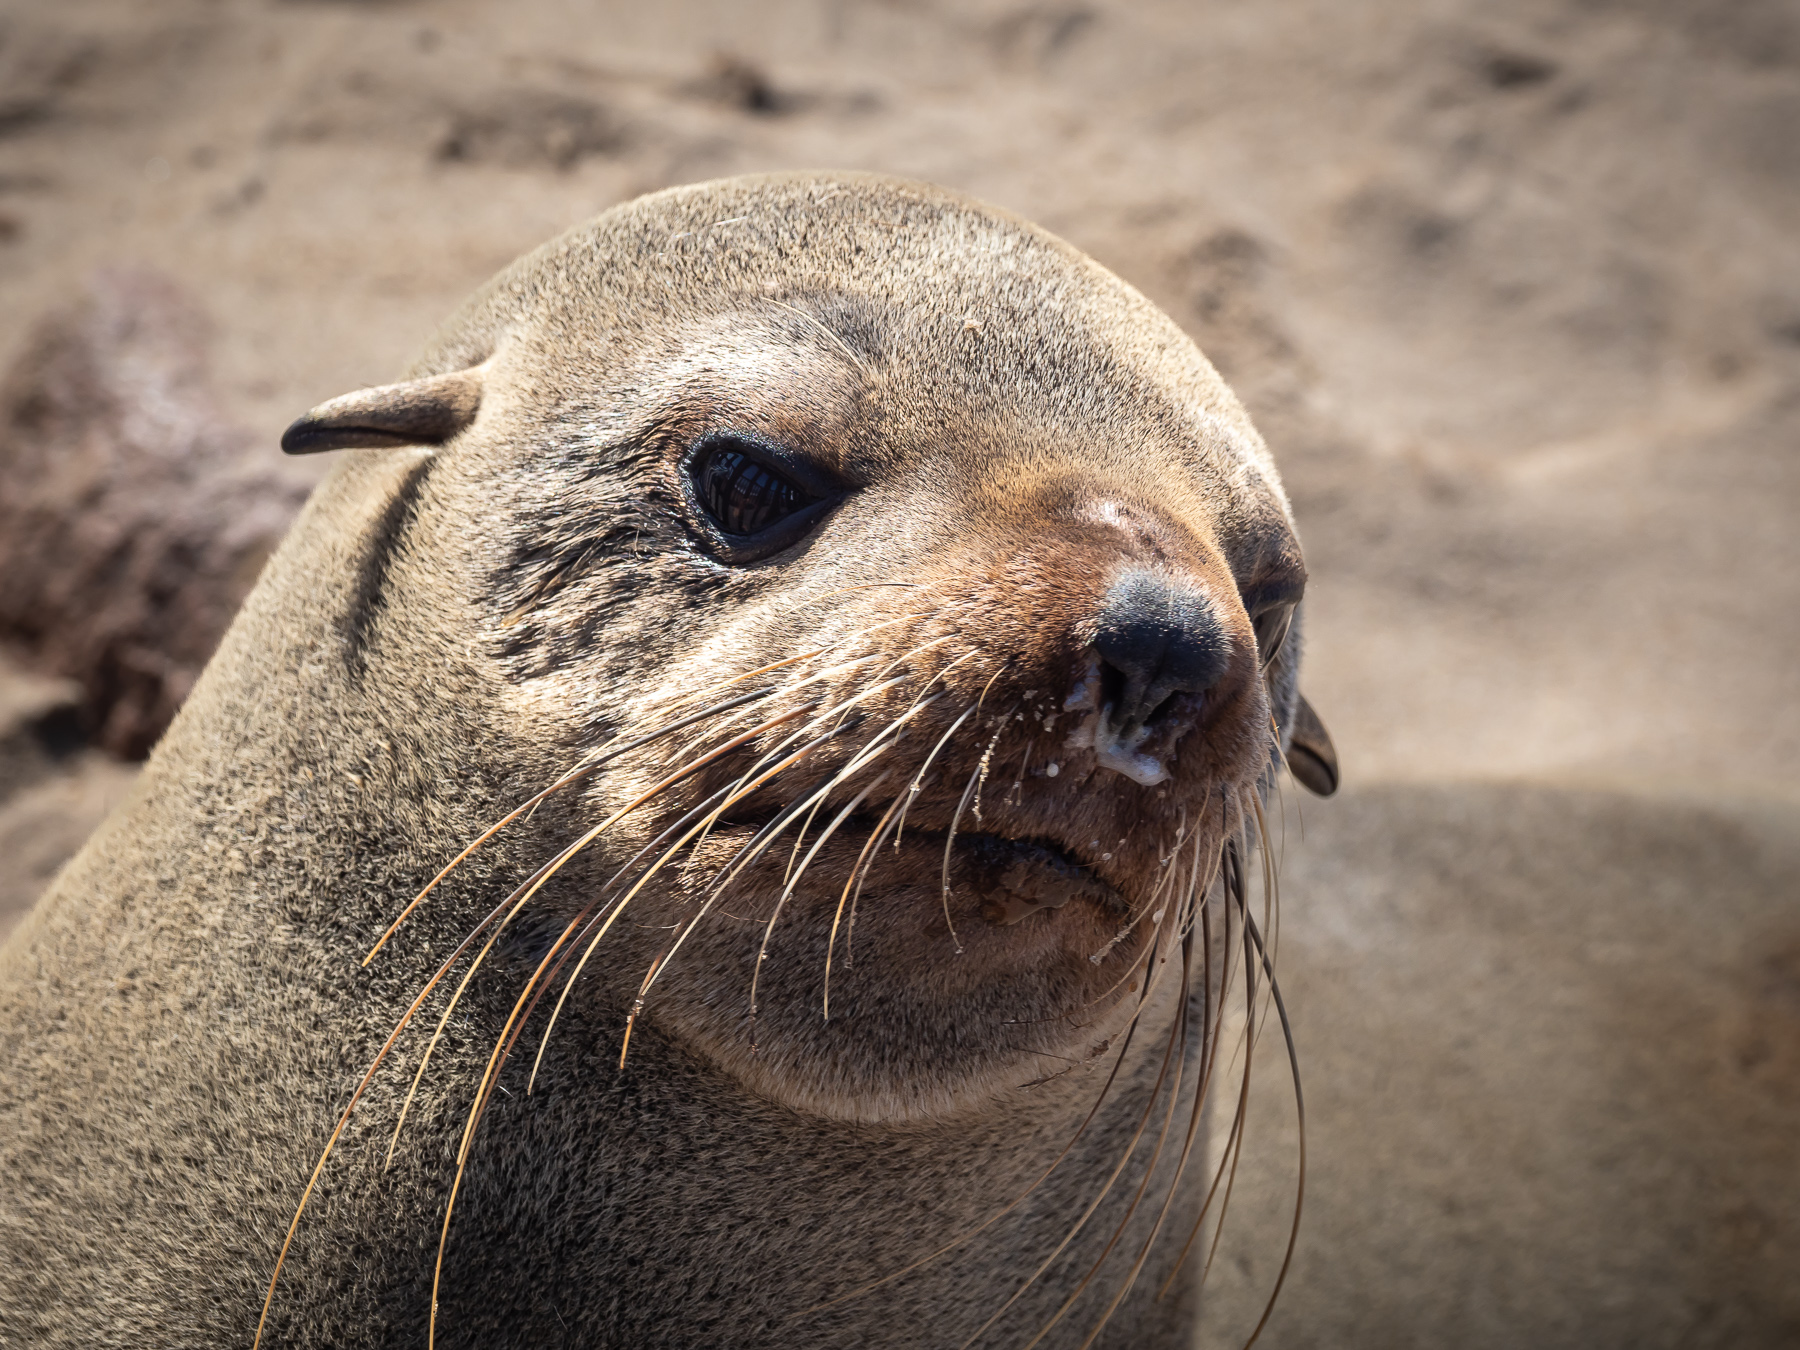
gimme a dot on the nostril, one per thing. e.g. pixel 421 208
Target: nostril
pixel 1134 703
pixel 1112 684
pixel 1155 715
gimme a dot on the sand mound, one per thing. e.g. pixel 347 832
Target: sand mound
pixel 1552 1048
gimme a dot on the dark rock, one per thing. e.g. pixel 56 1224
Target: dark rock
pixel 129 527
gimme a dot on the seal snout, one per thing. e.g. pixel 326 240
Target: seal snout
pixel 1157 638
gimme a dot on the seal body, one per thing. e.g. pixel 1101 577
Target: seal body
pixel 888 616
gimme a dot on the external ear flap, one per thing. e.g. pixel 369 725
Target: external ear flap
pixel 419 412
pixel 1311 757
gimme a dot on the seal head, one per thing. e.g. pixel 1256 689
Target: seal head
pixel 771 693
pixel 939 480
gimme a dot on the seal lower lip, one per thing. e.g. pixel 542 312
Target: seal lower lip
pixel 1022 876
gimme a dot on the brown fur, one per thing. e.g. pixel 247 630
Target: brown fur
pixel 446 630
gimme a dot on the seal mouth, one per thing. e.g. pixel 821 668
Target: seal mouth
pixel 1019 877
pixel 1015 878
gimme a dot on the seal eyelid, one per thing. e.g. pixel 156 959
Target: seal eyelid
pixel 1271 626
pixel 1271 604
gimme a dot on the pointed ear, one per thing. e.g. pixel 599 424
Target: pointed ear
pixel 419 412
pixel 1311 757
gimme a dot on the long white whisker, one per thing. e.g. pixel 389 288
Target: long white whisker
pixel 913 788
pixel 1178 1037
pixel 592 919
pixel 575 775
pixel 762 953
pixel 873 842
pixel 737 795
pixel 1099 1198
pixel 773 830
pixel 1100 1099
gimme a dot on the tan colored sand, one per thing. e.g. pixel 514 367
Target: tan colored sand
pixel 1515 293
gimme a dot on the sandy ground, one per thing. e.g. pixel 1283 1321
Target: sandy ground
pixel 1514 293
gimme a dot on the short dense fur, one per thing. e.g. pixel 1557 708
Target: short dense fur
pixel 447 629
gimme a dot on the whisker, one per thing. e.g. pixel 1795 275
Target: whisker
pixel 637 1006
pixel 1209 1059
pixel 987 759
pixel 1271 875
pixel 973 787
pixel 1099 1198
pixel 861 872
pixel 765 834
pixel 356 1097
pixel 1226 1172
pixel 1243 845
pixel 538 879
pixel 1251 1031
pixel 478 1109
pixel 1209 1062
pixel 688 746
pixel 496 1059
pixel 573 776
pixel 1125 980
pixel 425 1059
pixel 869 845
pixel 1100 1100
pixel 437 1271
pixel 828 672
pixel 1287 1032
pixel 1178 1034
pixel 1195 1117
pixel 840 711
pixel 1150 908
pixel 913 788
pixel 788 889
pixel 819 801
pixel 592 918
pixel 878 744
pixel 907 656
pixel 912 791
pixel 1016 793
pixel 949 845
pixel 1139 960
pixel 861 875
pixel 512 906
pixel 800 839
pixel 737 791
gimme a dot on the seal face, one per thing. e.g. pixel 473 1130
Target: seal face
pixel 887 620
pixel 996 549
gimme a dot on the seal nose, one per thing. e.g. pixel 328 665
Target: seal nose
pixel 1156 639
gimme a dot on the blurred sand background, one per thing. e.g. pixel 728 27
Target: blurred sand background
pixel 1514 292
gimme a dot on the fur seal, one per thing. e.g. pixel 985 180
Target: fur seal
pixel 704 833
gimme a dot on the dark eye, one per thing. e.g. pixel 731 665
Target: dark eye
pixel 743 495
pixel 1271 627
